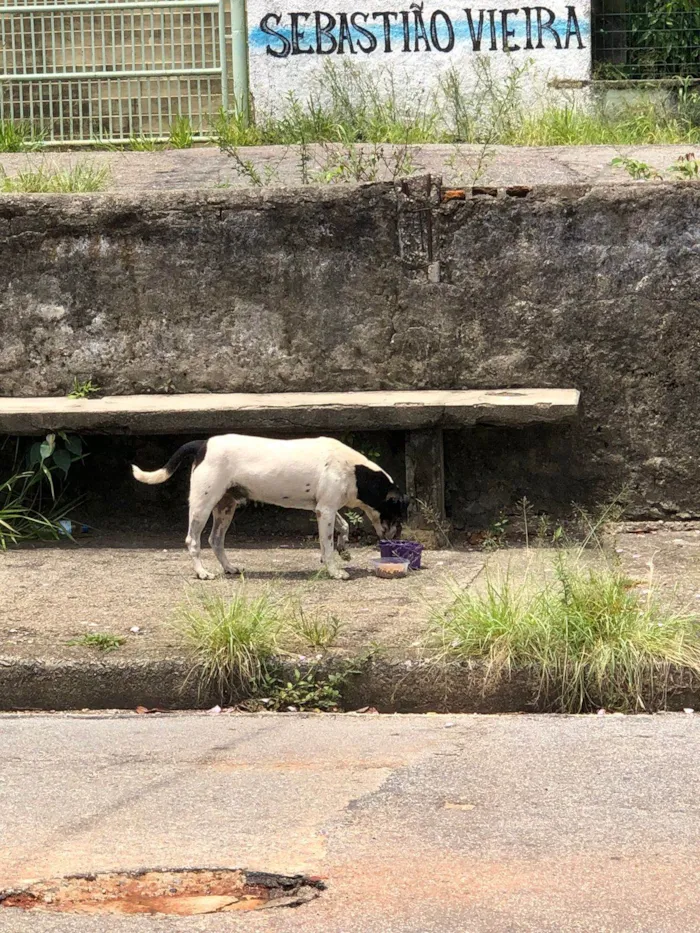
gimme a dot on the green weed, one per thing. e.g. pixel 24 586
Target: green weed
pixel 686 166
pixel 640 171
pixel 100 641
pixel 83 388
pixel 311 689
pixel 145 144
pixel 496 534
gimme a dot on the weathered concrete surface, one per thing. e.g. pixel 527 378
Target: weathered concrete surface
pixel 207 167
pixel 419 824
pixel 360 288
pixel 287 411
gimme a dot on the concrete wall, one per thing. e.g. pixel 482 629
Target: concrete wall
pixel 415 46
pixel 331 288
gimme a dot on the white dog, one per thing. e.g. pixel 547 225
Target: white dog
pixel 319 474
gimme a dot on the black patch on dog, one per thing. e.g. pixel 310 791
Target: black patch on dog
pixel 238 493
pixel 372 486
pixel 226 503
pixel 201 453
pixel 376 490
pixel 196 449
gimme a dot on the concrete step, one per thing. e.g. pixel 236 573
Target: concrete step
pixel 287 412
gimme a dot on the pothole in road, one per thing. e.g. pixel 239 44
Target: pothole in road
pixel 182 892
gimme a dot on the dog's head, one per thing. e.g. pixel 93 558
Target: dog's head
pixel 393 513
pixel 376 489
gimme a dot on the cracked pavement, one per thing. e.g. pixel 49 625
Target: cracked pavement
pixel 417 823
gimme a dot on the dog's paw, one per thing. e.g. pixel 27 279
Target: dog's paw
pixel 232 572
pixel 337 574
pixel 205 575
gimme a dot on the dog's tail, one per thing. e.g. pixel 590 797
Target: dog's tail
pixel 195 449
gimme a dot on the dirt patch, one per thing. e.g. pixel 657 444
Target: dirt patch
pixel 180 892
pixel 114 589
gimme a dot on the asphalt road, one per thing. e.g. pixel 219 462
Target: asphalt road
pixel 421 824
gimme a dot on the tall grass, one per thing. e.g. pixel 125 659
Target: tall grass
pixel 20 136
pixel 233 639
pixel 349 106
pixel 588 636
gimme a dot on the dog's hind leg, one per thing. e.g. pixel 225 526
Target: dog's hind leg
pixel 206 490
pixel 343 529
pixel 224 511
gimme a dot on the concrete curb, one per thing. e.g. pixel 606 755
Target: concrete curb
pixel 387 685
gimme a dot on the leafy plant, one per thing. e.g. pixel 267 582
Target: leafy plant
pixel 313 689
pixel 31 507
pixel 83 389
pixel 22 517
pixel 100 641
pixel 687 166
pixel 56 450
pixel 663 37
pixel 636 169
pixel 496 535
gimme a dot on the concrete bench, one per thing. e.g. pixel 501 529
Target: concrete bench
pixel 422 414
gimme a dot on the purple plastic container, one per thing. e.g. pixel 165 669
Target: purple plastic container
pixel 408 550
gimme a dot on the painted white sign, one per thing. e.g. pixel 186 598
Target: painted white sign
pixel 417 43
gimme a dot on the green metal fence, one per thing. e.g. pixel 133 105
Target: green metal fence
pixel 646 39
pixel 112 70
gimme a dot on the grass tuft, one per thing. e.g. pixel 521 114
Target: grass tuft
pixel 20 136
pixel 181 135
pixel 233 639
pixel 589 635
pixel 80 178
pixel 315 628
pixel 83 388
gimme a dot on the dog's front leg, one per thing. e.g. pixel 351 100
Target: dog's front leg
pixel 326 525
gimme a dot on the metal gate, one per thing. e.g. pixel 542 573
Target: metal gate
pixel 113 70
